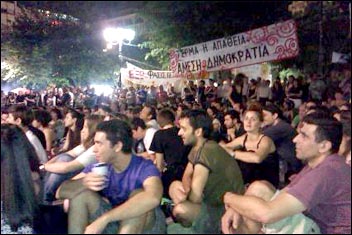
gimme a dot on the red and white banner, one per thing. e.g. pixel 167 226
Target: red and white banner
pixel 274 42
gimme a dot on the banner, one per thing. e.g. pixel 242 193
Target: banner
pixel 136 75
pixel 274 42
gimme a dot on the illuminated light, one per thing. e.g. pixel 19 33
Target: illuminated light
pixel 103 89
pixel 216 84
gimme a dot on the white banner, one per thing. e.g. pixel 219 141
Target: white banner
pixel 140 76
pixel 274 42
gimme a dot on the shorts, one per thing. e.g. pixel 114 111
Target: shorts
pixel 295 224
pixel 112 228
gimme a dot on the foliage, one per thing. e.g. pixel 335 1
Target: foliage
pixel 44 51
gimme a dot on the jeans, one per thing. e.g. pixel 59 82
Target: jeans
pixel 53 181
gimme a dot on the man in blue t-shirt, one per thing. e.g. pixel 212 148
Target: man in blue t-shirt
pixel 125 199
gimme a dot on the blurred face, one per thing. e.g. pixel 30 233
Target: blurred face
pixel 228 122
pixel 251 122
pixel 178 111
pixel 11 120
pixel 210 112
pixel 103 150
pixel 85 131
pixel 186 132
pixel 53 116
pixel 269 118
pixel 69 121
pixel 35 123
pixel 306 146
pixel 4 117
pixel 144 114
pixel 138 134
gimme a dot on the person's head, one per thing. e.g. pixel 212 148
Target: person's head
pixel 212 111
pixel 253 117
pixel 55 114
pixel 319 135
pixel 180 108
pixel 138 128
pixel 111 138
pixel 20 115
pixel 41 118
pixel 73 119
pixel 148 113
pixel 165 117
pixel 18 196
pixel 86 110
pixel 194 124
pixel 89 128
pixel 272 114
pixel 231 118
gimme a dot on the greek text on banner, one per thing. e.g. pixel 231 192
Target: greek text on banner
pixel 274 42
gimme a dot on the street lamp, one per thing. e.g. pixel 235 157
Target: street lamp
pixel 117 36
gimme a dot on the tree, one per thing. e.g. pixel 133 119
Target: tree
pixel 48 49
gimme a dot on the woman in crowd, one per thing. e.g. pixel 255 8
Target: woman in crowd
pixel 66 165
pixel 74 123
pixel 19 181
pixel 255 152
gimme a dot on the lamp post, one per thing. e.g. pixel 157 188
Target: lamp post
pixel 117 36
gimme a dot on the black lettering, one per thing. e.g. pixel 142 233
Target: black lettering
pixel 240 55
pixel 254 49
pixel 210 64
pixel 205 48
pixel 199 65
pixel 229 42
pixel 265 51
pixel 248 55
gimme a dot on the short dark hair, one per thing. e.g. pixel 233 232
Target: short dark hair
pixel 22 113
pixel 138 122
pixel 233 114
pixel 42 116
pixel 272 108
pixel 328 128
pixel 165 117
pixel 199 119
pixel 117 131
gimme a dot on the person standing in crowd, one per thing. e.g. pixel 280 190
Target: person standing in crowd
pixel 209 173
pixel 96 206
pixel 19 182
pixel 322 190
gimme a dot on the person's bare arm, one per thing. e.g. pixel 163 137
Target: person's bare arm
pixel 199 180
pixel 259 210
pixel 137 205
pixel 160 163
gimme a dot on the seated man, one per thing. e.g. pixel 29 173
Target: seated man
pixel 126 200
pixel 322 189
pixel 210 172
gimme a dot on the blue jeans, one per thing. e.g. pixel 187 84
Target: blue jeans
pixel 52 181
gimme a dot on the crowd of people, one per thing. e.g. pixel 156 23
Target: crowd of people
pixel 238 155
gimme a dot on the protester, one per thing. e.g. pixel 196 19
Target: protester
pixel 132 187
pixel 209 173
pixel 322 190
